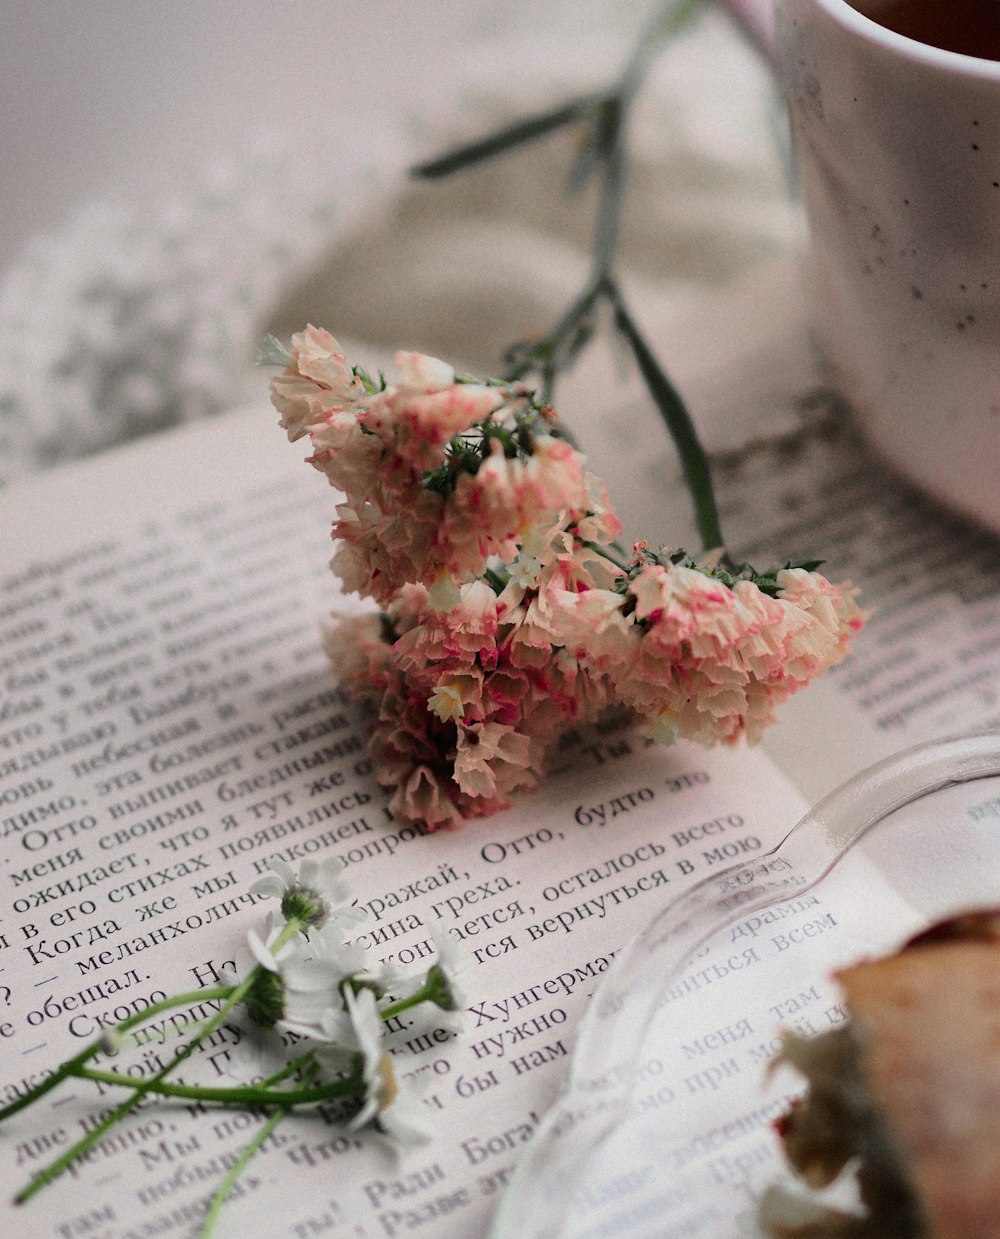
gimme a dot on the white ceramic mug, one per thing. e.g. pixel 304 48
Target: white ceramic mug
pixel 899 153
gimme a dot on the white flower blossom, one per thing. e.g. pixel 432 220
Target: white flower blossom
pixel 377 1068
pixel 393 1112
pixel 351 960
pixel 406 1120
pixel 316 895
pixel 452 961
pixel 313 1006
pixel 366 1029
pixel 450 971
pixel 294 990
pixel 262 949
pixel 251 1059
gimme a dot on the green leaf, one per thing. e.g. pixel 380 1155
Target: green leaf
pixel 371 386
pixel 507 138
pixel 678 421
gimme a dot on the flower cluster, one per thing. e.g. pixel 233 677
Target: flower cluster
pixel 438 473
pixel 319 1011
pixel 308 978
pixel 507 612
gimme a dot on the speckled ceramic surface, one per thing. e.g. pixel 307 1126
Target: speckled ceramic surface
pixel 899 150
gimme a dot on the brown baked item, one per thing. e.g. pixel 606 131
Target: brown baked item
pixel 908 1090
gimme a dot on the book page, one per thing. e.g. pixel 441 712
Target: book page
pixel 167 727
pixel 926 665
pixel 669 1132
pixel 795 479
pixel 667 1124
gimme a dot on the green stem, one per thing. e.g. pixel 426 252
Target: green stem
pixel 511 136
pixel 612 191
pixel 673 16
pixel 70 1067
pixel 495 581
pixel 64 1072
pixel 404 1004
pixel 694 461
pixel 548 347
pixel 236 1094
pixel 229 1182
pixel 230 997
pixel 606 553
pixel 289 1069
pixel 608 114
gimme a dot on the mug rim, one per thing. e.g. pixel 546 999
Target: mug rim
pixel 847 16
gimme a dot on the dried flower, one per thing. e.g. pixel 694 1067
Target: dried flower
pixel 508 614
pixel 316 382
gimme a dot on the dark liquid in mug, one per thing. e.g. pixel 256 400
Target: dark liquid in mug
pixel 971 27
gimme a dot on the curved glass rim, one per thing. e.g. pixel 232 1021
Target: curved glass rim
pixel 594 1096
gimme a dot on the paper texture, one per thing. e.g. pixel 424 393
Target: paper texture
pixel 167 722
pixel 168 726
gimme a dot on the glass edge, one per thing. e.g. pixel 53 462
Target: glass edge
pixel 842 817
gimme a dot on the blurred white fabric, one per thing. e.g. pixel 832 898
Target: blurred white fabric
pixel 198 174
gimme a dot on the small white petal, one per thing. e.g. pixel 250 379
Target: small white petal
pixel 309 975
pixel 261 952
pixel 283 870
pixel 268 887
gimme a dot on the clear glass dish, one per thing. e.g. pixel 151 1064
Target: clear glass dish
pixel 663 1128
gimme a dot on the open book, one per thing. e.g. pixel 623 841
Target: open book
pixel 168 725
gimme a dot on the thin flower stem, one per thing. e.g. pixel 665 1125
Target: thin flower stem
pixel 404 1004
pixel 612 191
pixel 64 1072
pixel 610 120
pixel 236 1094
pixel 230 997
pixel 668 19
pixel 506 139
pixel 697 472
pixel 606 553
pixel 608 115
pixel 289 1069
pixel 549 345
pixel 70 1067
pixel 229 1182
pixel 495 581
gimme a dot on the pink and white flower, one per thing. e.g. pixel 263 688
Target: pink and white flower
pixel 317 383
pixel 507 615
